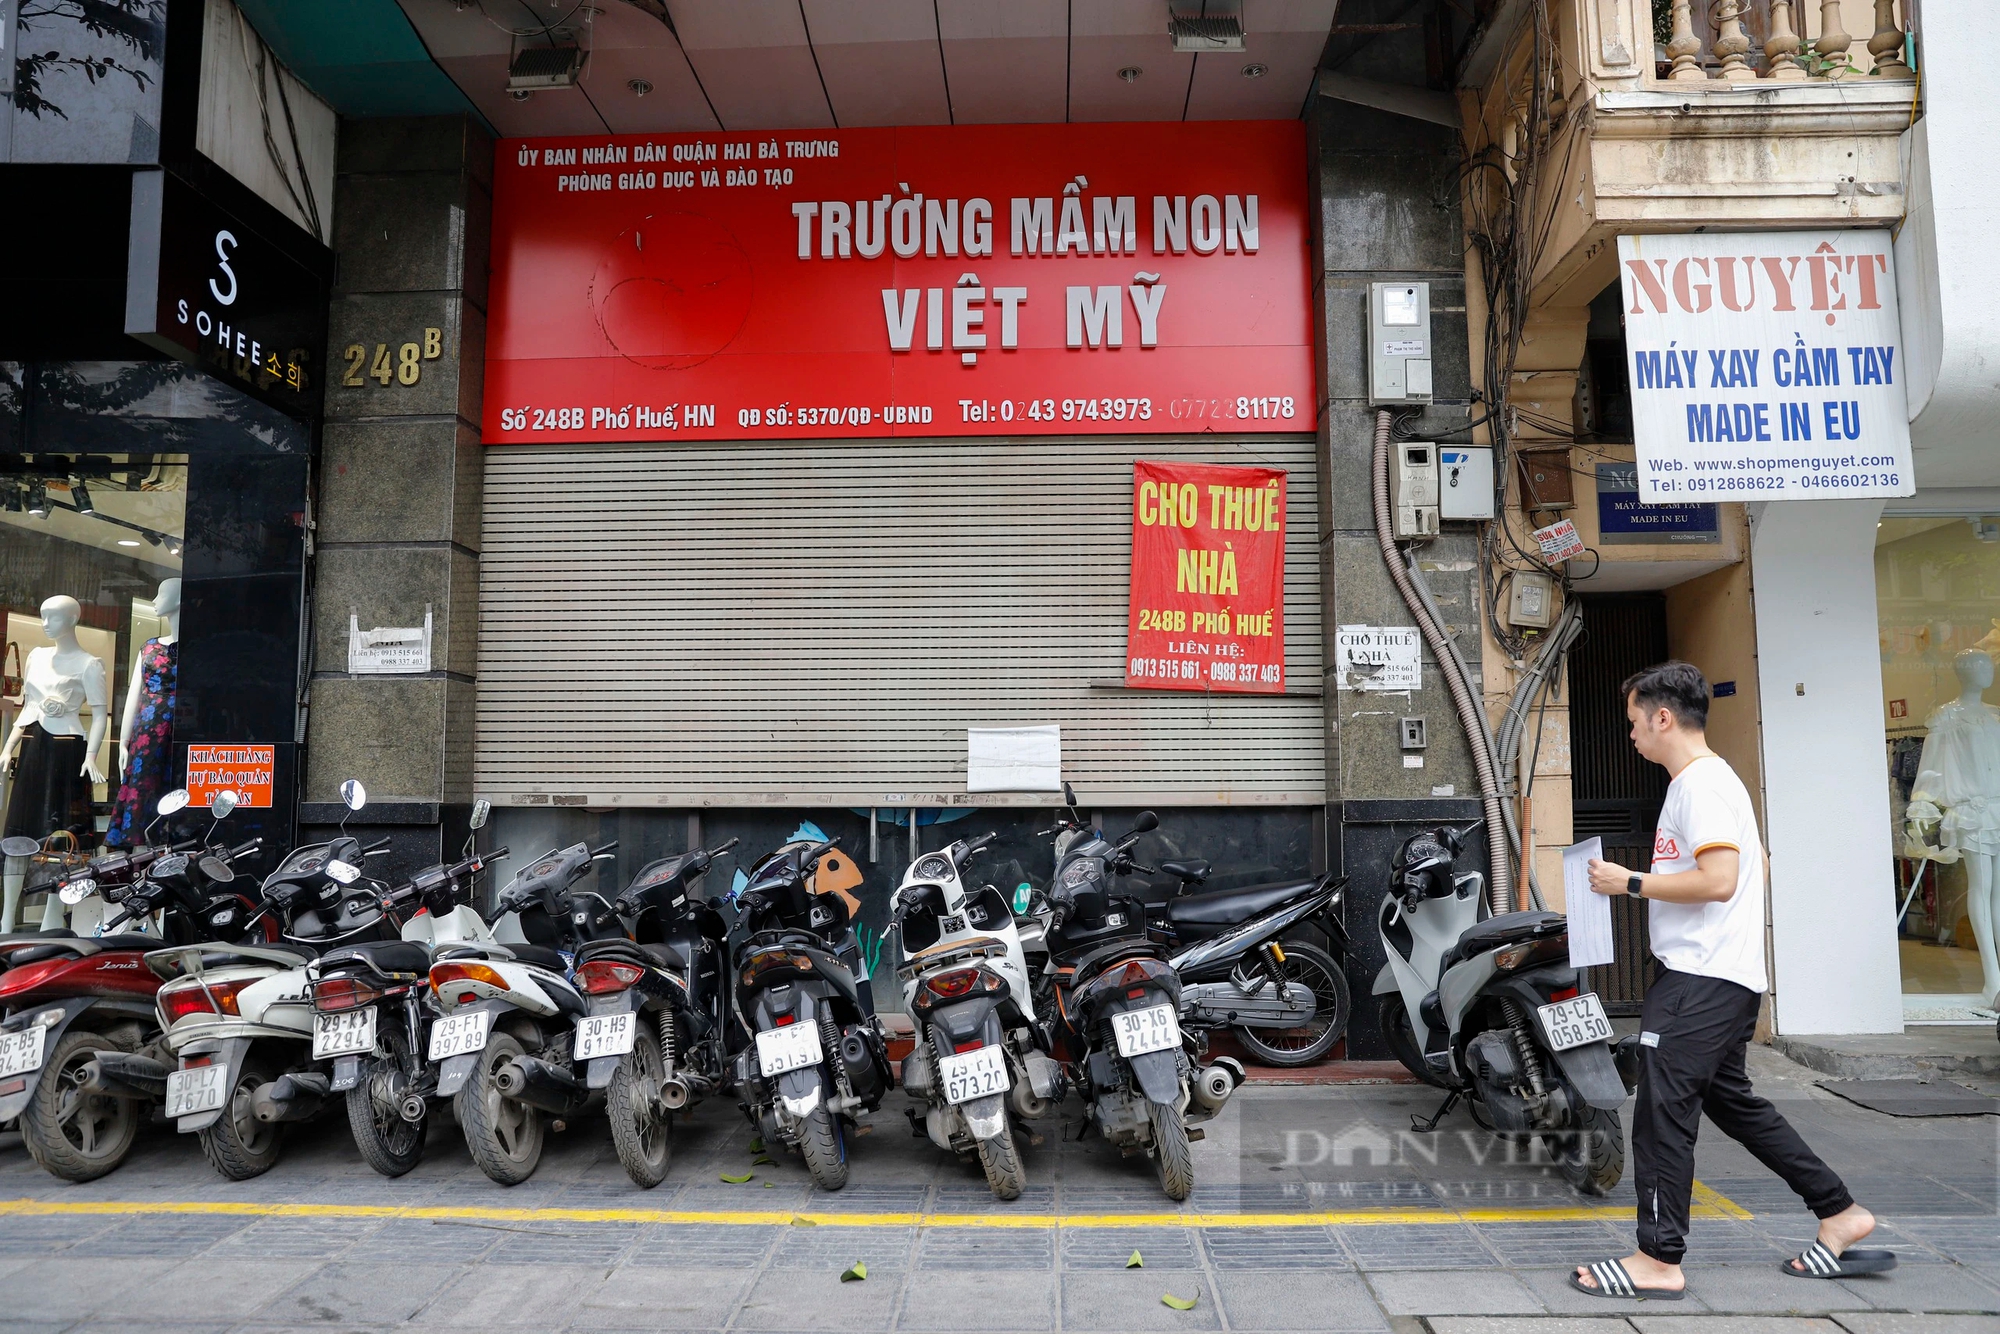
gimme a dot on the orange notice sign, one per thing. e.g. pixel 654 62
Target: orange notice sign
pixel 244 770
pixel 1208 578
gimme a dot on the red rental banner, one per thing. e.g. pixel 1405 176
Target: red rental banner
pixel 1208 578
pixel 935 281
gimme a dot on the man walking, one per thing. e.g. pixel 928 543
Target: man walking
pixel 1706 888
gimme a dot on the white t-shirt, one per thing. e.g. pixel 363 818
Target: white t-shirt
pixel 1707 807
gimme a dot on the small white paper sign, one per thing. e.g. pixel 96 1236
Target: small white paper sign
pixel 1013 759
pixel 388 651
pixel 1379 657
pixel 1589 912
pixel 1559 541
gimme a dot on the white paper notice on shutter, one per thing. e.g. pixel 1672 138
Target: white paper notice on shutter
pixel 1013 759
pixel 1765 366
pixel 1379 658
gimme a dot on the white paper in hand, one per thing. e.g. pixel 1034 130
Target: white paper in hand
pixel 1589 913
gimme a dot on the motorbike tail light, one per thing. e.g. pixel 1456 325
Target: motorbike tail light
pixel 343 993
pixel 1136 993
pixel 957 982
pixel 784 1019
pixel 444 974
pixel 973 1045
pixel 1563 994
pixel 29 976
pixel 764 961
pixel 602 977
pixel 1138 970
pixel 182 999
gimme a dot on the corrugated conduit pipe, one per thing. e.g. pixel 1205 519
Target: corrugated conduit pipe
pixel 1500 877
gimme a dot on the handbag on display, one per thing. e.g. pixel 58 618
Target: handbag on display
pixel 59 854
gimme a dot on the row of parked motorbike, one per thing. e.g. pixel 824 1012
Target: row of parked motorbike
pixel 233 1013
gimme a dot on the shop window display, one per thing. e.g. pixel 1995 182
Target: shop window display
pixel 1938 608
pixel 97 464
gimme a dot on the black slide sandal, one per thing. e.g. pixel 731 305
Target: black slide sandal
pixel 1818 1262
pixel 1615 1283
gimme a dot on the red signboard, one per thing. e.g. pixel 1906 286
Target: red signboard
pixel 972 280
pixel 1208 578
pixel 244 770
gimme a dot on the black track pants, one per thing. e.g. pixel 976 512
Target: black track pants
pixel 1691 1063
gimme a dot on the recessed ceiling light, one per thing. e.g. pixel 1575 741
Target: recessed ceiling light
pixel 520 94
pixel 128 541
pixel 1255 71
pixel 639 87
pixel 1130 73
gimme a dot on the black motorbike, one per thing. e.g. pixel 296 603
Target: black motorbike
pixel 818 1054
pixel 654 1037
pixel 1112 1001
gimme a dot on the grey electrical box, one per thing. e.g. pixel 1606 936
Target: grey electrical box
pixel 1399 344
pixel 1413 488
pixel 1465 482
pixel 1413 733
pixel 1532 604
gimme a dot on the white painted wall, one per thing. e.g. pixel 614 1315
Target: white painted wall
pixel 231 126
pixel 1826 798
pixel 1951 326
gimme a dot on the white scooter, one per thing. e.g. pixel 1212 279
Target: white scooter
pixel 965 980
pixel 507 1035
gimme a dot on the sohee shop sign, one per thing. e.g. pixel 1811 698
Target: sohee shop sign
pixel 1208 578
pixel 1765 366
pixel 1002 280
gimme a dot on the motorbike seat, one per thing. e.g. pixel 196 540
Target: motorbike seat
pixel 1193 871
pixel 387 956
pixel 1224 907
pixel 1495 932
pixel 540 956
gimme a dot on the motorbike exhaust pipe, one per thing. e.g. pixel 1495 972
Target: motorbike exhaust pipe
pixel 290 1097
pixel 1212 1087
pixel 117 1075
pixel 540 1085
pixel 413 1109
pixel 1027 1104
pixel 675 1093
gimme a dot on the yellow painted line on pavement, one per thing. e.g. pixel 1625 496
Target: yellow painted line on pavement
pixel 1707 1204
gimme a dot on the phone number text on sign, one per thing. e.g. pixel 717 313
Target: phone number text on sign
pixel 1208 578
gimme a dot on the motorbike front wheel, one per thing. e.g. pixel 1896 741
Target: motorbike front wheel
pixel 75 1135
pixel 1317 971
pixel 388 1143
pixel 1001 1157
pixel 237 1144
pixel 641 1130
pixel 1591 1154
pixel 1172 1153
pixel 505 1136
pixel 1397 1031
pixel 824 1145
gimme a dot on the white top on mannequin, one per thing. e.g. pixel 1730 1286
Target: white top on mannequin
pixel 61 680
pixel 166 606
pixel 1958 778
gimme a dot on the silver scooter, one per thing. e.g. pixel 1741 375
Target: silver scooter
pixel 1490 1011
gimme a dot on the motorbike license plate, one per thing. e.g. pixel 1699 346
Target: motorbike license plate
pixel 345 1033
pixel 975 1074
pixel 1572 1023
pixel 197 1090
pixel 460 1034
pixel 793 1047
pixel 604 1035
pixel 21 1052
pixel 1140 1031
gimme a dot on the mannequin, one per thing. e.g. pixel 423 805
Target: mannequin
pixel 146 732
pixel 1958 791
pixel 54 763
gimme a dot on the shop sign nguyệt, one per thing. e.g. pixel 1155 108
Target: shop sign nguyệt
pixel 1765 366
pixel 927 281
pixel 1207 608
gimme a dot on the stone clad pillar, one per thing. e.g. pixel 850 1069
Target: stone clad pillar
pixel 398 496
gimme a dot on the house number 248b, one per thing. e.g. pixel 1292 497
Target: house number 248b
pixel 402 366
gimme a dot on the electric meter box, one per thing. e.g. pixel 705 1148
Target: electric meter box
pixel 1413 488
pixel 1465 482
pixel 1399 344
pixel 1532 604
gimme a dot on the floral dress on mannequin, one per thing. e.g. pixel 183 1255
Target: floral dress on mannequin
pixel 149 765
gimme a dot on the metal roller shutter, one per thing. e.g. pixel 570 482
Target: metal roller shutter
pixel 818 623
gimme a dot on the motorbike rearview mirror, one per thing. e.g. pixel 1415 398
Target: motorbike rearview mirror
pixel 221 804
pixel 1144 823
pixel 20 846
pixel 217 870
pixel 76 891
pixel 174 801
pixel 353 795
pixel 481 809
pixel 1069 795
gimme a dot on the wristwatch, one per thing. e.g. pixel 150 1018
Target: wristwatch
pixel 1635 886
